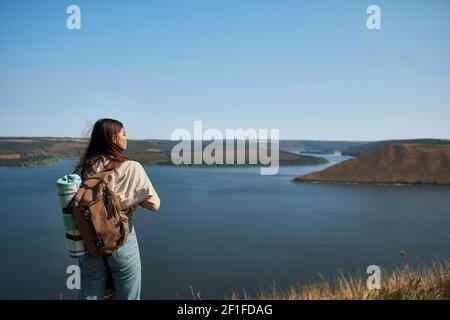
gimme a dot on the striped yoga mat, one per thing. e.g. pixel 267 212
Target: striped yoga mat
pixel 68 186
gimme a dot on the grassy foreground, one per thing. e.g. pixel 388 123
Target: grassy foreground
pixel 431 283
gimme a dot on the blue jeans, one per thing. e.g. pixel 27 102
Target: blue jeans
pixel 125 267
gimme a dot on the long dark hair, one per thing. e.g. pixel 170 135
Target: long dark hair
pixel 101 146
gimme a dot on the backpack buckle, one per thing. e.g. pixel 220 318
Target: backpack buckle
pixel 86 214
pixel 99 243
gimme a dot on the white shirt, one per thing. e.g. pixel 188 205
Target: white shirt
pixel 132 185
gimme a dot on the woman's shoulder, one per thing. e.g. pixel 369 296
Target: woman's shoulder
pixel 130 165
pixel 130 172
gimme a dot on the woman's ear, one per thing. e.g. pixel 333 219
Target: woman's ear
pixel 114 139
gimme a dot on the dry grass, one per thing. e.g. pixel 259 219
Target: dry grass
pixel 429 283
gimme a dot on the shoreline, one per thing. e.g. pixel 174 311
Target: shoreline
pixel 396 183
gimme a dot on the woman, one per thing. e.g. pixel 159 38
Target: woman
pixel 133 187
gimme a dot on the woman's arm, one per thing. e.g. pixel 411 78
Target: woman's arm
pixel 153 202
pixel 133 186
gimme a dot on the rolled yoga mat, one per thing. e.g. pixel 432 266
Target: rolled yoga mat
pixel 68 186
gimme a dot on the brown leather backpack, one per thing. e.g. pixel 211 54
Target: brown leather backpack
pixel 97 213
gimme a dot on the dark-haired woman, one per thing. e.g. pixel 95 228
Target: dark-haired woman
pixel 133 187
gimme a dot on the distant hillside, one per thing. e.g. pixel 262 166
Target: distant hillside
pixel 392 163
pixel 318 146
pixel 27 152
pixel 38 151
pixel 356 151
pixel 285 158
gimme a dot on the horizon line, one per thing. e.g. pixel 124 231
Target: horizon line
pixel 281 139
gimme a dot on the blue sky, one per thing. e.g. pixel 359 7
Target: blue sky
pixel 309 68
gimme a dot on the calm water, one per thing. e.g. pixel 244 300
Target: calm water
pixel 227 229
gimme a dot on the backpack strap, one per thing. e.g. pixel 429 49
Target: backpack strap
pixel 76 198
pixel 96 179
pixel 92 181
